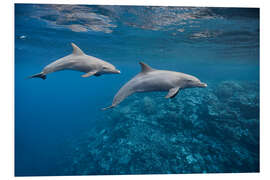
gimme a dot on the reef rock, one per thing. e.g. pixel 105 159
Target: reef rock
pixel 211 130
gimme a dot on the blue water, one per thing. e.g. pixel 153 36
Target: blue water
pixel 60 128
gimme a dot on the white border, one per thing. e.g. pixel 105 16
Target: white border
pixel 202 3
pixel 7 84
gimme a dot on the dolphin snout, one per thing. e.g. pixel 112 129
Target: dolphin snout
pixel 114 71
pixel 117 71
pixel 203 85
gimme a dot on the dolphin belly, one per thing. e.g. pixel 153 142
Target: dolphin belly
pixel 81 66
pixel 138 84
pixel 153 83
pixel 64 64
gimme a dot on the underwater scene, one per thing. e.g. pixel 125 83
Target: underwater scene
pixel 136 90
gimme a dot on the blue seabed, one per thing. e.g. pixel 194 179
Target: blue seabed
pixel 60 128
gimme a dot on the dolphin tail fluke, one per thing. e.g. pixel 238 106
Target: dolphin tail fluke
pixel 109 107
pixel 39 75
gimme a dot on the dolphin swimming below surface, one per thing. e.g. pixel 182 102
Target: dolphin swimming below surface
pixel 78 61
pixel 150 79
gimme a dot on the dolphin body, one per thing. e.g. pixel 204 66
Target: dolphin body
pixel 150 79
pixel 78 61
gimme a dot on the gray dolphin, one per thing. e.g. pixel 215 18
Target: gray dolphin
pixel 150 79
pixel 78 61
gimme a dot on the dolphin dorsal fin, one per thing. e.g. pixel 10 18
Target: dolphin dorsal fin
pixel 76 50
pixel 145 68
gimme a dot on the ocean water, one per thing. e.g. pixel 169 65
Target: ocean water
pixel 60 128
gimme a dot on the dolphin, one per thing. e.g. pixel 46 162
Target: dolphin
pixel 78 61
pixel 150 79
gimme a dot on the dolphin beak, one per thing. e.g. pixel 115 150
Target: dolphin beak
pixel 203 85
pixel 116 71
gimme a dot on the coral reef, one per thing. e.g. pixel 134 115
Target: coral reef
pixel 211 130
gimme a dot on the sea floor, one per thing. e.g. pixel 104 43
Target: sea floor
pixel 211 130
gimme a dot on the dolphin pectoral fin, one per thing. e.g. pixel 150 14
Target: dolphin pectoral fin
pixel 172 92
pixel 90 73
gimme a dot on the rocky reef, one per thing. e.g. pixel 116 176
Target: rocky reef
pixel 211 130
